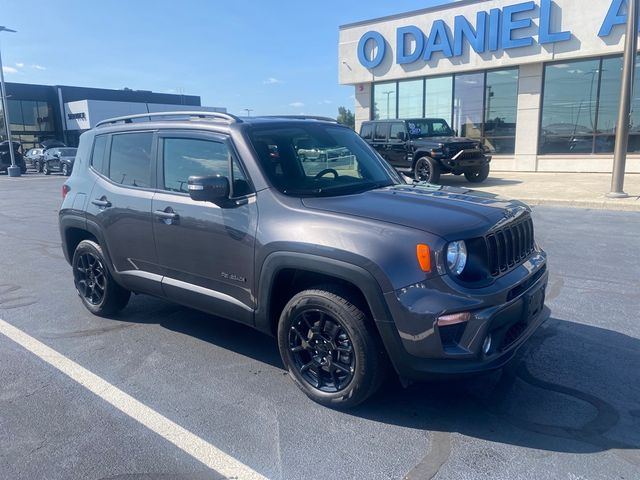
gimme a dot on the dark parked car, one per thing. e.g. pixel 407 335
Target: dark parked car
pixel 34 158
pixel 59 160
pixel 354 271
pixel 5 156
pixel 425 148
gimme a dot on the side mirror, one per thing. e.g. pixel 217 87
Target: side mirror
pixel 402 136
pixel 213 189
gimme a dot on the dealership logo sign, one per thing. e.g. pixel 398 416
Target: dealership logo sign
pixel 493 30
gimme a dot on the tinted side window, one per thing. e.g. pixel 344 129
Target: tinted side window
pixel 184 157
pixel 381 131
pixel 130 159
pixel 367 132
pixel 396 128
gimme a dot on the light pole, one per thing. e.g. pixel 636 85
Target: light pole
pixel 13 170
pixel 387 93
pixel 248 110
pixel 626 92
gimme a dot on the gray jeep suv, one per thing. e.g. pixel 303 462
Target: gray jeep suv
pixel 353 270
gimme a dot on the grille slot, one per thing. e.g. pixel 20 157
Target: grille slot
pixel 509 246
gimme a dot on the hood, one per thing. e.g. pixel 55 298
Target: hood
pixel 451 213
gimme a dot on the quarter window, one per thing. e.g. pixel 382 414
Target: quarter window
pixel 367 132
pixel 130 160
pixel 185 157
pixel 97 156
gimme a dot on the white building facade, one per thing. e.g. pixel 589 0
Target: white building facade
pixel 537 81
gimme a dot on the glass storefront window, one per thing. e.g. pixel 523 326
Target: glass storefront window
pixel 15 116
pixel 438 96
pixel 569 107
pixel 501 107
pixel 45 117
pixel 468 104
pixel 410 94
pixel 384 100
pixel 30 115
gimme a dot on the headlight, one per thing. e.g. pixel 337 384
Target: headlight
pixel 456 256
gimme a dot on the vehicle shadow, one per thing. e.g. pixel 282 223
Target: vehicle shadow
pixel 573 388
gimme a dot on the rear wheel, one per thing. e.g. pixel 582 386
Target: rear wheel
pixel 330 348
pixel 477 175
pixel 99 293
pixel 426 169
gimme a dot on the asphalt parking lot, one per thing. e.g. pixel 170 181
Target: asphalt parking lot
pixel 569 408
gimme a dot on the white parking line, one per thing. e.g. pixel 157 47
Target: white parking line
pixel 186 441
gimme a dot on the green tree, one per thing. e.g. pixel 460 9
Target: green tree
pixel 346 117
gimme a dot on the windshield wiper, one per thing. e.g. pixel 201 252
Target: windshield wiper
pixel 302 191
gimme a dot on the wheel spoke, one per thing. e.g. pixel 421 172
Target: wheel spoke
pixel 299 335
pixel 306 366
pixel 342 368
pixel 336 380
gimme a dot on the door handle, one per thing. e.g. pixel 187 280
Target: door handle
pixel 101 202
pixel 163 215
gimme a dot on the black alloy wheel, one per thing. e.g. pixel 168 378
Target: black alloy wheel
pixel 89 277
pixel 322 351
pixel 426 170
pixel 99 292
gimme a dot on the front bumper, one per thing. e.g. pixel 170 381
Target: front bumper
pixel 508 312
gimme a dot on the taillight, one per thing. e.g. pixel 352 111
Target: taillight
pixel 65 189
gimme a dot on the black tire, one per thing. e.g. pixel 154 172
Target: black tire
pixel 338 334
pixel 45 168
pixel 99 293
pixel 65 170
pixel 39 167
pixel 426 169
pixel 477 175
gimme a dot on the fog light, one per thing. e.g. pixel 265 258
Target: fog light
pixel 486 346
pixel 454 318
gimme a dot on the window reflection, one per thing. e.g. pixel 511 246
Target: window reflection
pixel 410 99
pixel 501 106
pixel 384 100
pixel 438 96
pixel 467 104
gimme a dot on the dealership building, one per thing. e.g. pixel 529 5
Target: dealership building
pixel 537 81
pixel 40 112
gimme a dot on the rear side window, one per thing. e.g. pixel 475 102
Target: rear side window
pixel 381 131
pixel 367 131
pixel 130 159
pixel 396 128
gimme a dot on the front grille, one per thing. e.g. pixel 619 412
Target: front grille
pixel 509 246
pixel 469 155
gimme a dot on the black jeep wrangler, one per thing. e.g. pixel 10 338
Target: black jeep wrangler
pixel 426 148
pixel 351 268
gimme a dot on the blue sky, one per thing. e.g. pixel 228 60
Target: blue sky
pixel 275 56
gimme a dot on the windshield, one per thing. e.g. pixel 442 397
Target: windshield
pixel 319 160
pixel 67 152
pixel 429 127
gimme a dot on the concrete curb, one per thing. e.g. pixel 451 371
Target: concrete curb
pixel 632 205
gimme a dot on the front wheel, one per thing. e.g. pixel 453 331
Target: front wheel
pixel 99 293
pixel 426 169
pixel 477 175
pixel 330 348
pixel 46 169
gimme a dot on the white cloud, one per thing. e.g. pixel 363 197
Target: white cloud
pixel 38 67
pixel 271 81
pixel 9 70
pixel 296 104
pixel 19 64
pixel 325 102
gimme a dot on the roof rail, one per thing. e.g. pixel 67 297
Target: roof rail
pixel 302 117
pixel 129 118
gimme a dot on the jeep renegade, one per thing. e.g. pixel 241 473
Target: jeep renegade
pixel 356 272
